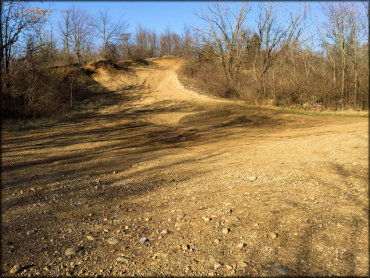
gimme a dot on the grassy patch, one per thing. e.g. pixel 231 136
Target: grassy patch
pixel 316 113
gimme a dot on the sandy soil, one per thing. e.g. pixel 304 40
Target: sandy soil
pixel 217 188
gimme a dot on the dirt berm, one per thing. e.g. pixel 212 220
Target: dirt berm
pixel 216 188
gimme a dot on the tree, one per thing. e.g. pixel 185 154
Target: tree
pixel 16 20
pixel 341 37
pixel 80 31
pixel 108 31
pixel 225 30
pixel 274 39
pixel 65 27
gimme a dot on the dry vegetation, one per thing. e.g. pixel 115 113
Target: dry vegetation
pixel 218 186
pixel 275 64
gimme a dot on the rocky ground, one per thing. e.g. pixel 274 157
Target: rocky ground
pixel 167 182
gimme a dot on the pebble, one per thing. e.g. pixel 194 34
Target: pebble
pixel 112 240
pixel 241 245
pixel 90 238
pixel 185 247
pixel 122 259
pixel 229 267
pixel 216 265
pixel 72 250
pixel 206 219
pixel 242 264
pixel 282 270
pixel 252 178
pixel 15 269
pixel 144 239
pixel 164 232
pixel 273 235
pixel 217 241
pixel 181 215
pixel 225 230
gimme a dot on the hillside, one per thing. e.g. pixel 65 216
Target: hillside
pixel 216 186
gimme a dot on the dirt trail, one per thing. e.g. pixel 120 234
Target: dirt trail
pixel 217 187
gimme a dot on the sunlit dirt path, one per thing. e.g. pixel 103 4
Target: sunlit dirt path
pixel 217 188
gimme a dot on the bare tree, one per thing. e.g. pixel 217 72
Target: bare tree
pixel 108 31
pixel 142 42
pixel 65 27
pixel 125 45
pixel 225 29
pixel 80 31
pixel 187 43
pixel 275 39
pixel 153 44
pixel 16 19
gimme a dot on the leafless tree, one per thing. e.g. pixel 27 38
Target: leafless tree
pixel 65 27
pixel 275 39
pixel 80 31
pixel 16 19
pixel 225 29
pixel 108 31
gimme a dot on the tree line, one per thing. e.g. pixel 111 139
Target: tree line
pixel 270 62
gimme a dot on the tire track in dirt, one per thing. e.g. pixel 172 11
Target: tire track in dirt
pixel 127 173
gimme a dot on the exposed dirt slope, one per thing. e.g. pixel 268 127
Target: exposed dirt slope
pixel 218 188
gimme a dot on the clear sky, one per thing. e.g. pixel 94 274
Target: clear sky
pixel 158 16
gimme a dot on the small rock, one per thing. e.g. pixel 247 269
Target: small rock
pixel 126 227
pixel 90 238
pixel 206 219
pixel 225 230
pixel 185 247
pixel 164 232
pixel 114 172
pixel 252 178
pixel 15 269
pixel 122 259
pixel 282 270
pixel 229 267
pixel 112 240
pixel 72 250
pixel 241 245
pixel 242 265
pixel 144 239
pixel 217 241
pixel 147 219
pixel 181 215
pixel 216 265
pixel 273 235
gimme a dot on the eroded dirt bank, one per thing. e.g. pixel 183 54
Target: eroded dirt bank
pixel 216 187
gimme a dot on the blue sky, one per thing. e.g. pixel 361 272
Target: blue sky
pixel 158 16
pixel 155 14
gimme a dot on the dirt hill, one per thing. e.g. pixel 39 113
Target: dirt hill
pixel 164 181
